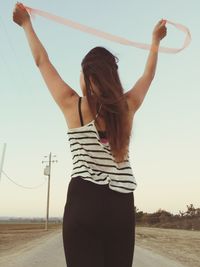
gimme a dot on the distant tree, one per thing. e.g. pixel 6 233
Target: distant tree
pixel 189 219
pixel 197 212
pixel 182 213
pixel 191 210
pixel 138 215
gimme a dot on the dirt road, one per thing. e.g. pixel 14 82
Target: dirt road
pixel 48 252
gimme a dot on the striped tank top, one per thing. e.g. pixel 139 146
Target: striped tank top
pixel 93 161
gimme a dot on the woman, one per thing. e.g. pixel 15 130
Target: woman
pixel 99 215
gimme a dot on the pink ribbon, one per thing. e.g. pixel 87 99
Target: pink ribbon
pixel 111 37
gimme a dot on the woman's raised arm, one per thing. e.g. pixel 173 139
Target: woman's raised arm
pixel 137 93
pixel 62 93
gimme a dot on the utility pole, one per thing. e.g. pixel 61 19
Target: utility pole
pixel 2 159
pixel 47 171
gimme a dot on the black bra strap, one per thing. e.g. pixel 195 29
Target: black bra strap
pixel 79 109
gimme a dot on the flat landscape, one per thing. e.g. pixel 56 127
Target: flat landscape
pixel 179 245
pixel 18 236
pixel 182 246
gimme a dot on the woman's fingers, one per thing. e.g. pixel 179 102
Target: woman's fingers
pixel 20 14
pixel 160 30
pixel 21 6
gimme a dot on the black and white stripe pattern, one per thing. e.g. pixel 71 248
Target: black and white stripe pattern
pixel 93 160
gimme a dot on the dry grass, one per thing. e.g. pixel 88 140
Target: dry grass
pixel 180 245
pixel 16 236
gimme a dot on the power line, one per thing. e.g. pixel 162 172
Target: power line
pixel 8 37
pixel 10 71
pixel 25 187
pixel 3 57
pixel 20 70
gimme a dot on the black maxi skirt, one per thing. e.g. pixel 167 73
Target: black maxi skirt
pixel 98 226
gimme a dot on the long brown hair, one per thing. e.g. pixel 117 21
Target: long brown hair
pixel 104 89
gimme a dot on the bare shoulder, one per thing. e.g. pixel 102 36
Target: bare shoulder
pixel 70 110
pixel 131 105
pixel 135 96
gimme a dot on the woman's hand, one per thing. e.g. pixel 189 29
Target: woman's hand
pixel 160 31
pixel 20 15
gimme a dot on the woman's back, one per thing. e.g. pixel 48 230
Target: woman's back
pixel 91 153
pixel 73 119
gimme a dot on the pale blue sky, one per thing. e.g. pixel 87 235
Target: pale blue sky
pixel 165 145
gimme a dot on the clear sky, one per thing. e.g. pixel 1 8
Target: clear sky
pixel 165 145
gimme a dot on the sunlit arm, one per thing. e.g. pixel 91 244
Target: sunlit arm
pixel 62 93
pixel 138 92
pixel 38 51
pixel 150 67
